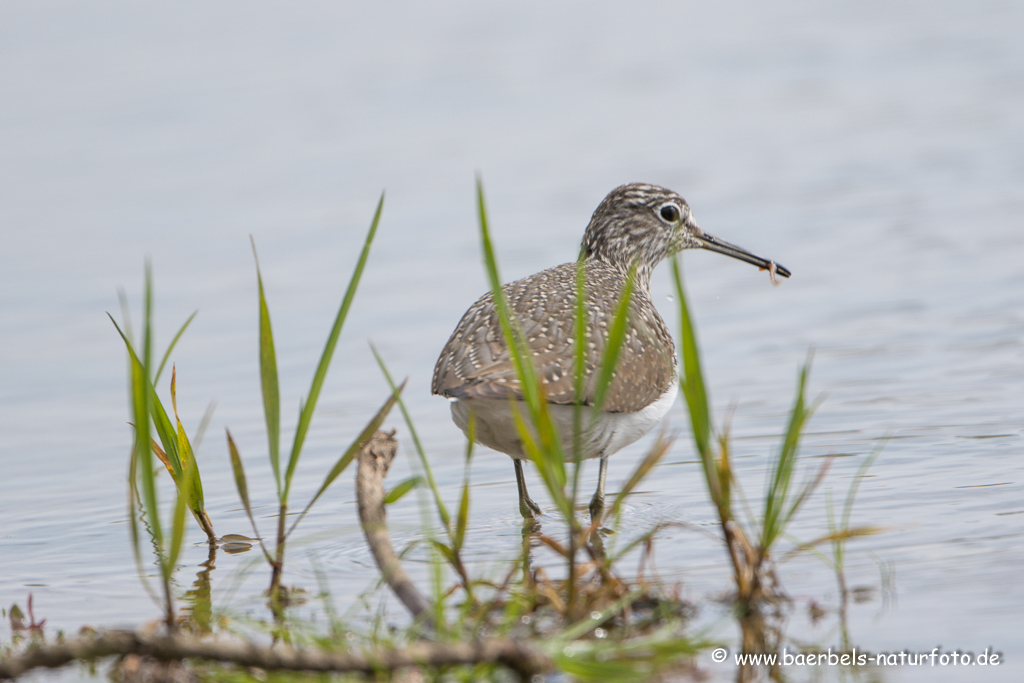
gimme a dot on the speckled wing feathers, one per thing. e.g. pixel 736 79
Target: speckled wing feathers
pixel 475 362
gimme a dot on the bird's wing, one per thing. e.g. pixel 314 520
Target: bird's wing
pixel 476 363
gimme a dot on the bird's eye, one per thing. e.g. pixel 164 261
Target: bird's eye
pixel 670 213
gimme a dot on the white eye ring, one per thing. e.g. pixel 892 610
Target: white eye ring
pixel 669 213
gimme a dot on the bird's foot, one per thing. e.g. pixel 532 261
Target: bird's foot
pixel 528 509
pixel 597 509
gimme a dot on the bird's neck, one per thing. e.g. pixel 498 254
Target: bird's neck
pixel 644 270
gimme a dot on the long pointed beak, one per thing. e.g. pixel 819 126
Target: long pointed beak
pixel 722 247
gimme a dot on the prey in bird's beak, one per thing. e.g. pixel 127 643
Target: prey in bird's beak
pixel 706 241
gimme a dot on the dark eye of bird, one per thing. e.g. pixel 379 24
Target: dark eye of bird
pixel 670 212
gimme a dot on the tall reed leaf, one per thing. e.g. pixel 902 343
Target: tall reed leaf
pixel 517 346
pixel 268 379
pixel 616 337
pixel 350 453
pixel 190 482
pixel 442 509
pixel 779 508
pixel 579 367
pixel 306 414
pixel 692 382
pixel 141 400
pixel 170 347
pixel 547 454
pixel 243 492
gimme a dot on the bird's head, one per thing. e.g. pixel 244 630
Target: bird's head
pixel 648 223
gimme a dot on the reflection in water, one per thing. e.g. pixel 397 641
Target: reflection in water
pixel 763 631
pixel 197 616
pixel 234 544
pixel 760 633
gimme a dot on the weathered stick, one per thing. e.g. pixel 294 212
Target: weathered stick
pixel 519 656
pixel 375 458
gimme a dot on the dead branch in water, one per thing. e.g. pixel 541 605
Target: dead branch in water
pixel 518 656
pixel 375 459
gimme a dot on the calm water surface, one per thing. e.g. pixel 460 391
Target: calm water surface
pixel 875 149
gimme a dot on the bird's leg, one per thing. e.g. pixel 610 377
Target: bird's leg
pixel 597 502
pixel 527 508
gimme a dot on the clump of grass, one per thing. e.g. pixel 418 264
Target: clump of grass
pixel 177 455
pixel 749 546
pixel 751 543
pixel 272 414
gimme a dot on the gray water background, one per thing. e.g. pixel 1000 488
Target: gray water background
pixel 876 149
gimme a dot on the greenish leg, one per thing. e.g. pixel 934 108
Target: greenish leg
pixel 527 507
pixel 597 502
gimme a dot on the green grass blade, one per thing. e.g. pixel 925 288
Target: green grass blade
pixel 350 453
pixel 204 423
pixel 442 509
pixel 835 537
pixel 550 445
pixel 141 401
pixel 134 512
pixel 616 337
pixel 862 472
pixel 161 421
pixel 693 378
pixel 136 385
pixel 518 349
pixel 462 516
pixel 176 450
pixel 306 414
pixel 470 436
pixel 805 491
pixel 122 300
pixel 579 370
pixel 601 669
pixel 588 623
pixel 401 488
pixel 717 475
pixel 240 481
pixel 268 380
pixel 170 347
pixel 193 487
pixel 243 491
pixel 778 508
pixel 653 457
pixel 552 475
pixel 127 341
pixel 181 504
pixel 167 434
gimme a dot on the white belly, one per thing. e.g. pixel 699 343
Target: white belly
pixel 611 432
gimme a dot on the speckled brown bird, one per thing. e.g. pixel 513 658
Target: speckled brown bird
pixel 635 223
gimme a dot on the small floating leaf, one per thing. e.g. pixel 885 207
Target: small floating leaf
pixel 237 538
pixel 402 488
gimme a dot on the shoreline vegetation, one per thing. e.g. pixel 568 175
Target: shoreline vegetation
pixel 596 622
